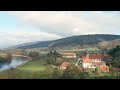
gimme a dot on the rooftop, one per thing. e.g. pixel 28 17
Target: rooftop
pixel 69 54
pixel 93 56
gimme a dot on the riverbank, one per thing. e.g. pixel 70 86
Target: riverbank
pixel 5 57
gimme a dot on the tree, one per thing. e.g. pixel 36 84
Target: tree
pixel 55 55
pixel 49 60
pixel 83 75
pixel 115 55
pixel 9 56
pixel 34 54
pixel 74 72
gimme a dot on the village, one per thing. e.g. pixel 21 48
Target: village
pixel 64 64
pixel 88 61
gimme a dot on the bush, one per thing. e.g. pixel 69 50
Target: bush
pixel 74 72
pixel 56 74
pixel 34 54
pixel 83 75
pixel 48 71
pixel 49 60
pixel 9 56
pixel 6 59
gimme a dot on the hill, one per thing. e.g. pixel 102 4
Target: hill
pixel 72 41
pixel 109 44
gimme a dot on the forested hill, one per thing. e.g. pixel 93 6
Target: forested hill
pixel 74 40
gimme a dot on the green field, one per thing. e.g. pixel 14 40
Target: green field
pixel 72 50
pixel 89 49
pixel 30 70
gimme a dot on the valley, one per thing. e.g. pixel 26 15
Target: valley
pixel 47 61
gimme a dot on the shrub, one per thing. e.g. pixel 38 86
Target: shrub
pixel 48 71
pixel 49 60
pixel 34 54
pixel 97 71
pixel 56 74
pixel 74 72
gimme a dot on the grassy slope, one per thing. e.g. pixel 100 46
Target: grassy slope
pixel 33 66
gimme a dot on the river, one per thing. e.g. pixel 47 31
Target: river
pixel 16 61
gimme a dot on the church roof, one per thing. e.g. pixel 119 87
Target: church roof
pixel 92 56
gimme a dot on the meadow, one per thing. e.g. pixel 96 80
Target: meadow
pixel 30 70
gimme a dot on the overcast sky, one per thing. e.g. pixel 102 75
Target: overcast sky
pixel 18 27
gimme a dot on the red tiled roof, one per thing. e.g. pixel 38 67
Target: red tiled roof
pixel 92 56
pixel 85 59
pixel 103 67
pixel 69 54
pixel 96 56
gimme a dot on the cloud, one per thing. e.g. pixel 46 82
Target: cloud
pixel 68 23
pixel 49 25
pixel 14 38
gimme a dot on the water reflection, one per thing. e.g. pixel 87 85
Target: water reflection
pixel 16 61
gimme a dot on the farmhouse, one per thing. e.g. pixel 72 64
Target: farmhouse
pixel 69 55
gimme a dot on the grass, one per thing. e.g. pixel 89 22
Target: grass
pixel 72 50
pixel 31 70
pixel 90 49
pixel 33 66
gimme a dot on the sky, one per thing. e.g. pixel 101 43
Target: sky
pixel 17 27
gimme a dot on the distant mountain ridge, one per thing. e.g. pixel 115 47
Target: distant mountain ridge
pixel 71 41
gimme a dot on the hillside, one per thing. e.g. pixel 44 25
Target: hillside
pixel 33 45
pixel 72 41
pixel 110 44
